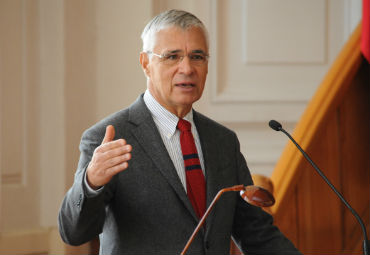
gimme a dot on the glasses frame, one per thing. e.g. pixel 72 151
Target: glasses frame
pixel 163 56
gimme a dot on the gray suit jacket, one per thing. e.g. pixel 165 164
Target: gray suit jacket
pixel 145 209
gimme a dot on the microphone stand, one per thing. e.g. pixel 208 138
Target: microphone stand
pixel 366 243
pixel 201 222
pixel 253 195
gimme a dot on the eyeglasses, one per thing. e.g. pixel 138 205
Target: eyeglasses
pixel 197 58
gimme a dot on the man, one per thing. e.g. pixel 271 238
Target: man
pixel 144 180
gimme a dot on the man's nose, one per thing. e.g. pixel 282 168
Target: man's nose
pixel 185 65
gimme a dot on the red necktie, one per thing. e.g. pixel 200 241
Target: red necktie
pixel 195 182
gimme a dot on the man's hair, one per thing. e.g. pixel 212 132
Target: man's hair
pixel 177 18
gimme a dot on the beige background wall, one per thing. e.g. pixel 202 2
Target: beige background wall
pixel 65 64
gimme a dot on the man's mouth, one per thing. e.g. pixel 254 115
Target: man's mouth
pixel 185 85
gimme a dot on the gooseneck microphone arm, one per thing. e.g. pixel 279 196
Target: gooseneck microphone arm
pixel 277 127
pixel 251 194
pixel 201 222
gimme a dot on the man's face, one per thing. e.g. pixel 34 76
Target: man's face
pixel 177 86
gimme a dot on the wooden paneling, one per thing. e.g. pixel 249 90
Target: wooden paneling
pixel 314 195
pixel 355 152
pixel 335 132
pixel 325 101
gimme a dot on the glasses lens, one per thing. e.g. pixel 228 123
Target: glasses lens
pixel 197 58
pixel 173 58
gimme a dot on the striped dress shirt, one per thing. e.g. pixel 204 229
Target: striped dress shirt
pixel 166 123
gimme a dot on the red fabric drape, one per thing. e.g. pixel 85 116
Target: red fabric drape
pixel 365 33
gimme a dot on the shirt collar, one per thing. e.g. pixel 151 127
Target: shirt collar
pixel 166 120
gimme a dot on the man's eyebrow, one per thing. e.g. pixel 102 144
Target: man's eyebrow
pixel 172 51
pixel 193 51
pixel 199 51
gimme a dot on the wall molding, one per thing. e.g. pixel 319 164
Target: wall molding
pixel 11 179
pixel 238 93
pixel 320 60
pixel 15 173
pixel 32 241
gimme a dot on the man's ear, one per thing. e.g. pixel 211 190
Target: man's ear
pixel 144 62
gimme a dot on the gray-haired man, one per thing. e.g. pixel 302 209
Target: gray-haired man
pixel 131 186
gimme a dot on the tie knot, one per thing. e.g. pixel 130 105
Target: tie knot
pixel 184 125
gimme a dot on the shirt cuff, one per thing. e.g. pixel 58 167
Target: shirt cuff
pixel 90 191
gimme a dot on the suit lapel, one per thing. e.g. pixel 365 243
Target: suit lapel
pixel 148 136
pixel 209 148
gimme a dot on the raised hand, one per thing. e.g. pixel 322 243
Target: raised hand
pixel 110 158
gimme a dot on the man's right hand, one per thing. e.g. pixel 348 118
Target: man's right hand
pixel 110 158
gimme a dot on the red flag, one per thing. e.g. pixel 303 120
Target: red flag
pixel 365 33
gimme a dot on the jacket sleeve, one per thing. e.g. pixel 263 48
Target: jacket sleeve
pixel 253 229
pixel 81 216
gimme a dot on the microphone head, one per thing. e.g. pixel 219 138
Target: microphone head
pixel 257 196
pixel 275 125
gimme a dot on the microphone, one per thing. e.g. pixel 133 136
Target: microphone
pixel 277 127
pixel 252 194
